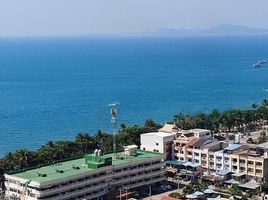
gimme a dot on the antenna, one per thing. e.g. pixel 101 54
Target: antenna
pixel 114 114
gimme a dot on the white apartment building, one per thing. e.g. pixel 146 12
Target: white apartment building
pixel 161 142
pixel 92 177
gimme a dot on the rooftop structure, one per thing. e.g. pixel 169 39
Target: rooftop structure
pixel 169 128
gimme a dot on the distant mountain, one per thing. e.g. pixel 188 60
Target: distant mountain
pixel 220 30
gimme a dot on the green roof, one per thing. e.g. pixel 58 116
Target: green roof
pixel 76 167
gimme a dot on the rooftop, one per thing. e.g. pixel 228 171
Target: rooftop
pixel 232 147
pixel 76 167
pixel 169 128
pixel 159 134
pixel 197 130
pixel 250 185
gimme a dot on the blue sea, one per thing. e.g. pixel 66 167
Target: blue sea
pixel 53 88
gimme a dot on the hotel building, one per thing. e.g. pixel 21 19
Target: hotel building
pixel 94 177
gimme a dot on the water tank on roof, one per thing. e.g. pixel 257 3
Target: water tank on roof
pixel 99 152
pixel 96 152
pixel 237 138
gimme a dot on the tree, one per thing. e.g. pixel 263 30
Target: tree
pixel 201 120
pixel 262 138
pixel 214 118
pixel 235 190
pixel 151 123
pixel 265 187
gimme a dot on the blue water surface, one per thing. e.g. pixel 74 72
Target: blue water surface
pixel 52 88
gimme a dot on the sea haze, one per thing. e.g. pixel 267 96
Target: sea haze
pixel 52 88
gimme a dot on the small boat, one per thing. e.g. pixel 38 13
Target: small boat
pixel 259 63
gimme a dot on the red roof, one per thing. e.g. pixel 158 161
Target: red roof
pixel 168 198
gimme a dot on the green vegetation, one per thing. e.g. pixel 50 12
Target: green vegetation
pixel 235 190
pixel 228 120
pixel 177 195
pixel 194 186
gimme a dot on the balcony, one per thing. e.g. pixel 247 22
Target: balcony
pixel 259 174
pixel 251 173
pixel 226 167
pixel 189 149
pixel 258 166
pixel 251 165
pixel 242 164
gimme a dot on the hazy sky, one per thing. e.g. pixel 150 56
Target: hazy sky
pixel 82 17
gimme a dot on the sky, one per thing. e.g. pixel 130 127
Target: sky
pixel 87 17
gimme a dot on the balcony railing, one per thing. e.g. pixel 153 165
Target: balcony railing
pixel 251 165
pixel 259 174
pixel 259 166
pixel 251 173
pixel 189 149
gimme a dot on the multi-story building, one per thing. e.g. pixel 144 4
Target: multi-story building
pixel 211 152
pixel 92 177
pixel 161 142
pixel 188 143
pixel 215 157
pixel 245 159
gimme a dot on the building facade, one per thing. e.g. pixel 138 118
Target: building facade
pixel 92 177
pixel 219 157
pixel 161 142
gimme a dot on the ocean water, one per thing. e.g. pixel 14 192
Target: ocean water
pixel 53 88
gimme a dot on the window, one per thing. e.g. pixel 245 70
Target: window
pixel 196 154
pixel 144 149
pixel 155 150
pixel 156 144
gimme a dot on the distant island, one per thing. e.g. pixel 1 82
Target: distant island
pixel 220 30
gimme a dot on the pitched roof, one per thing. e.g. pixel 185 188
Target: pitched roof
pixel 193 141
pixel 169 128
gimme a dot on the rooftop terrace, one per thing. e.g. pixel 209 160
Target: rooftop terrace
pixel 77 166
